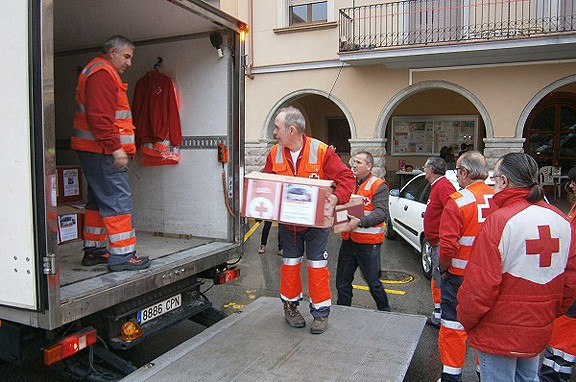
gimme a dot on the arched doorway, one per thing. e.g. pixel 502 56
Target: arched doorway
pixel 550 131
pixel 326 119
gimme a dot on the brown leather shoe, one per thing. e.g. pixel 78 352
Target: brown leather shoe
pixel 292 315
pixel 319 325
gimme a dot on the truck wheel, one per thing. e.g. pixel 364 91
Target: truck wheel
pixel 209 316
pixel 390 233
pixel 426 258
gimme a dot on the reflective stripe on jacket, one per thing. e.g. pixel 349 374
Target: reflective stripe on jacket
pixel 367 235
pixel 473 205
pixel 83 139
pixel 310 166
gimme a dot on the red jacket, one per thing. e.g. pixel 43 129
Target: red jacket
pixel 520 277
pixel 332 169
pixel 440 191
pixel 155 108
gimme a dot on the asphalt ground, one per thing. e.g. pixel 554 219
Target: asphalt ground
pixel 408 292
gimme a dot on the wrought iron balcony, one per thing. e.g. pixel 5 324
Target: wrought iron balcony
pixel 424 23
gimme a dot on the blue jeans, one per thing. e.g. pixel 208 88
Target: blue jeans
pixel 366 256
pixel 499 368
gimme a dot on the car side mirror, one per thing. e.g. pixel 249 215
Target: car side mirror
pixel 395 192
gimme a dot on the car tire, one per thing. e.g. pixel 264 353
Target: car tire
pixel 390 233
pixel 426 258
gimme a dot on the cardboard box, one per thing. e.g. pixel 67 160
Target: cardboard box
pixel 286 199
pixel 354 207
pixel 69 184
pixel 70 223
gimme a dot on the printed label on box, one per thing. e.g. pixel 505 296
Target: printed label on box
pixel 68 227
pixel 70 182
pixel 264 197
pixel 298 204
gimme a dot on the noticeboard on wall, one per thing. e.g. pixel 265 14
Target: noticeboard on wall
pixel 426 135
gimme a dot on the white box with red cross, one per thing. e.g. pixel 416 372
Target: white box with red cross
pixel 286 199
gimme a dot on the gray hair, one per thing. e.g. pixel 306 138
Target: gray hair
pixel 369 157
pixel 437 164
pixel 293 117
pixel 521 170
pixel 117 43
pixel 475 163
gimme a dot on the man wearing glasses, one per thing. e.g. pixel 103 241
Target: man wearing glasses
pixel 461 221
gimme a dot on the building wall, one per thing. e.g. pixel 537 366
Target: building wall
pixel 289 64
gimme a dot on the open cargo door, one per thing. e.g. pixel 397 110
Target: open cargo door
pixel 17 260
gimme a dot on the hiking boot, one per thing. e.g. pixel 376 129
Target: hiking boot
pixel 319 325
pixel 95 257
pixel 134 264
pixel 262 249
pixel 292 315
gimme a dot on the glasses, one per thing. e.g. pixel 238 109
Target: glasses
pixel 493 177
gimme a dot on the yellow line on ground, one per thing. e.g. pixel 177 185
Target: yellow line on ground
pixel 404 281
pixel 391 291
pixel 251 231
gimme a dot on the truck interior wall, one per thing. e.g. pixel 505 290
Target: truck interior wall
pixel 186 198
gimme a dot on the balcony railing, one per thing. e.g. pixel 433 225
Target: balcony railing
pixel 442 22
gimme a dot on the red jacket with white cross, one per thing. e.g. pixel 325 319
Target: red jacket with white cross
pixel 520 277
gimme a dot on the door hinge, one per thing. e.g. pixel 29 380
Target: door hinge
pixel 49 264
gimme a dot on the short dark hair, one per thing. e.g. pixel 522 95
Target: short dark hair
pixel 369 157
pixel 572 174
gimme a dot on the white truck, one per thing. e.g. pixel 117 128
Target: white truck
pixel 186 216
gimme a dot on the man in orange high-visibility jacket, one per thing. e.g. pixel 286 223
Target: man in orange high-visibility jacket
pixel 363 237
pixel 461 221
pixel 295 154
pixel 104 138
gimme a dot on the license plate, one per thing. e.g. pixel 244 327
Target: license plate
pixel 160 308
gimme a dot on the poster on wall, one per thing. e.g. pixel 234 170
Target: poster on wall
pixel 426 135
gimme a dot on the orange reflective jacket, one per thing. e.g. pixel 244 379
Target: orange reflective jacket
pixel 83 139
pixel 474 205
pixel 367 235
pixel 310 166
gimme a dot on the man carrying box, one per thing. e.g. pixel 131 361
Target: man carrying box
pixel 295 154
pixel 361 244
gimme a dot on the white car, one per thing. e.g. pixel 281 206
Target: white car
pixel 406 218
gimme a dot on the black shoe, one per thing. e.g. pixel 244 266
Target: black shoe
pixel 433 321
pixel 134 264
pixel 99 256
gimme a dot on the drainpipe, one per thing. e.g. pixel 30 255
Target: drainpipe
pixel 250 39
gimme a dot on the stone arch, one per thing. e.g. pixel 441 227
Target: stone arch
pixel 268 127
pixel 388 110
pixel 537 98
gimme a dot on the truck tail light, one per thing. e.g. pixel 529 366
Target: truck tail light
pixel 244 29
pixel 227 275
pixel 69 345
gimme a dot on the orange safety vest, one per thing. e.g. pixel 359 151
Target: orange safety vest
pixel 310 166
pixel 475 204
pixel 367 235
pixel 83 139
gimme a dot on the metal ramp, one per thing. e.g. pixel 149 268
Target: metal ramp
pixel 258 345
